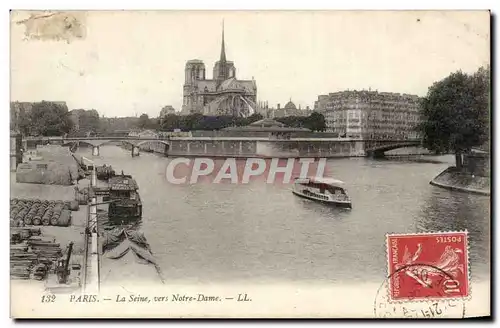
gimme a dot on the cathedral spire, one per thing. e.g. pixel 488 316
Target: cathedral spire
pixel 223 48
pixel 222 69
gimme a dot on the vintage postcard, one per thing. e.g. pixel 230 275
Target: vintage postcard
pixel 250 164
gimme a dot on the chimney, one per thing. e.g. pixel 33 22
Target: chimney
pixel 279 106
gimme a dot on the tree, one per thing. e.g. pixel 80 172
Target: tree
pixel 89 121
pixel 254 118
pixel 154 123
pixel 292 121
pixel 455 113
pixel 315 122
pixel 49 119
pixel 24 122
pixel 170 122
pixel 144 121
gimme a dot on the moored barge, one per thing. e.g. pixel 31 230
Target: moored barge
pixel 125 202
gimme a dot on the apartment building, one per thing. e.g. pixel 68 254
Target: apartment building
pixel 370 114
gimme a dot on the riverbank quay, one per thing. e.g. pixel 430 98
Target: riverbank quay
pixel 64 235
pixel 454 179
pixel 35 248
pixel 56 192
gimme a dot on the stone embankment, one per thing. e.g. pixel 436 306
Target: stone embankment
pixel 453 179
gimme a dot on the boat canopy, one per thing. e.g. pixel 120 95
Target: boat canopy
pixel 122 183
pixel 326 181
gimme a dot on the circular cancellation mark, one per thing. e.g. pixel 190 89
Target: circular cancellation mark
pixel 419 305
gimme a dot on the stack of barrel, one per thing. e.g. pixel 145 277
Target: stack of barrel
pixel 40 212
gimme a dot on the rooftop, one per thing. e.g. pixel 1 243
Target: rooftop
pixel 328 181
pixel 266 125
pixel 124 182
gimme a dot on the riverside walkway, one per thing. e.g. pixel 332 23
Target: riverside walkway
pixel 91 278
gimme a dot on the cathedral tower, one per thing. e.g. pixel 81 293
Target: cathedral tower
pixel 194 71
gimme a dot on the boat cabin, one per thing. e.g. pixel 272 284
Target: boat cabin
pixel 322 189
pixel 122 187
pixel 124 197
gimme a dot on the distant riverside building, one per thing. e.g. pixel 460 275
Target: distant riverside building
pixel 266 127
pixel 148 134
pixel 224 94
pixel 167 110
pixel 85 121
pixel 321 103
pixel 370 114
pixel 16 154
pixel 290 109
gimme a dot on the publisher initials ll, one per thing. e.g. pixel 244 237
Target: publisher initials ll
pixel 243 298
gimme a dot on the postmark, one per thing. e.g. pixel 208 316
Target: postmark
pixel 54 26
pixel 428 266
pixel 423 308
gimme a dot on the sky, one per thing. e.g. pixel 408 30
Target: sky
pixel 131 62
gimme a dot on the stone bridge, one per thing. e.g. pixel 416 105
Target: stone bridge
pixel 159 145
pixel 240 147
pixel 377 148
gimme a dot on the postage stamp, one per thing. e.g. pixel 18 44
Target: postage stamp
pixel 428 266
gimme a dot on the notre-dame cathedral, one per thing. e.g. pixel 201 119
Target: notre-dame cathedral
pixel 224 94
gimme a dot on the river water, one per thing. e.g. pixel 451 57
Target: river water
pixel 261 233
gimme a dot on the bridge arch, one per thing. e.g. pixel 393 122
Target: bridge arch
pixel 133 143
pixel 82 142
pixel 113 141
pixel 154 140
pixel 380 149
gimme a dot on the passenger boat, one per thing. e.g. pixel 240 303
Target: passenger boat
pixel 325 190
pixel 125 202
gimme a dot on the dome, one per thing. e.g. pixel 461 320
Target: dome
pixel 290 105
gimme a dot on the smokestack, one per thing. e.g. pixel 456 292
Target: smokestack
pixel 279 106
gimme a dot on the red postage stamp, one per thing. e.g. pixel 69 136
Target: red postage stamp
pixel 428 266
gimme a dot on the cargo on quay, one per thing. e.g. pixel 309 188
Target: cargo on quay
pixel 61 236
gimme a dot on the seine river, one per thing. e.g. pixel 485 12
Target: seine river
pixel 263 233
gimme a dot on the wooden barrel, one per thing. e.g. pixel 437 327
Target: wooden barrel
pixel 74 206
pixel 37 221
pixel 57 208
pixel 14 212
pixel 64 219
